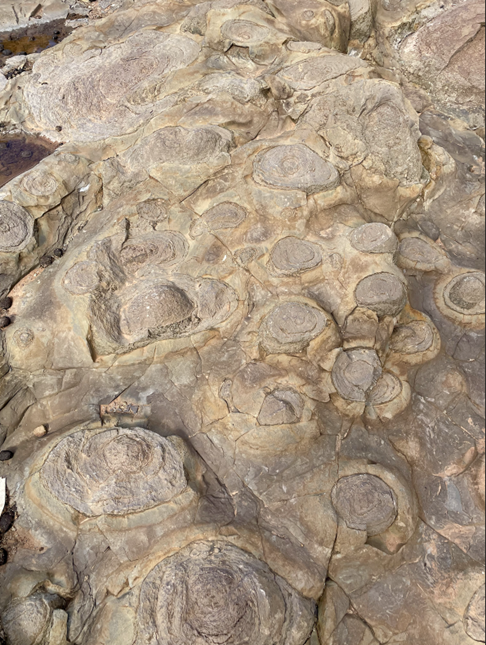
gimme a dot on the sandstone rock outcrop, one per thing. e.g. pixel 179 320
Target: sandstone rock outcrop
pixel 242 323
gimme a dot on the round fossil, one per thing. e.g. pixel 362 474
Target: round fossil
pixel 355 373
pixel 417 336
pixel 16 227
pixel 387 389
pixel 226 215
pixel 27 621
pixel 153 210
pixel 374 238
pixel 155 307
pixel 465 294
pixel 24 337
pixel 474 617
pixel 416 253
pixel 295 167
pixel 365 503
pixel 82 278
pixel 314 71
pixel 114 472
pixel 166 248
pixel 281 407
pixel 213 593
pixel 244 33
pixel 292 255
pixel 40 183
pixel 291 326
pixel 383 293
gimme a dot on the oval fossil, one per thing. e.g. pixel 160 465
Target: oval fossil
pixel 16 227
pixel 374 238
pixel 27 621
pixel 355 373
pixel 387 389
pixel 465 294
pixel 155 307
pixel 383 293
pixel 82 278
pixel 292 255
pixel 244 33
pixel 114 472
pixel 40 183
pixel 167 249
pixel 291 326
pixel 412 338
pixel 365 503
pixel 420 254
pixel 224 216
pixel 153 210
pixel 295 167
pixel 212 593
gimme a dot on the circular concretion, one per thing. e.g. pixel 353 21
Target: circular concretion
pixel 224 216
pixel 292 255
pixel 27 621
pixel 82 278
pixel 295 167
pixel 212 593
pixel 40 183
pixel 365 503
pixel 474 622
pixel 355 373
pixel 24 337
pixel 383 293
pixel 374 238
pixel 465 294
pixel 153 210
pixel 420 254
pixel 115 472
pixel 387 389
pixel 294 323
pixel 244 33
pixel 16 227
pixel 166 249
pixel 413 338
pixel 153 308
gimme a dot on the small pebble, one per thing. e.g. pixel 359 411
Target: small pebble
pixel 7 521
pixel 6 455
pixel 58 253
pixel 5 322
pixel 46 261
pixel 40 431
pixel 7 52
pixel 3 560
pixel 6 303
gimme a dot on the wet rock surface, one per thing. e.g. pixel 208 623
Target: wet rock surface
pixel 242 320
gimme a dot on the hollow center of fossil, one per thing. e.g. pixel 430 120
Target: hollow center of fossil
pixel 124 454
pixel 216 602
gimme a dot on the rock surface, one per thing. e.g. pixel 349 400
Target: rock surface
pixel 242 302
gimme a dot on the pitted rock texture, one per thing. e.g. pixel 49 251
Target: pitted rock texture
pixel 242 312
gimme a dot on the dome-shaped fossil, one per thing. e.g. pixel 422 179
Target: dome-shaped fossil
pixel 292 255
pixel 374 238
pixel 355 373
pixel 82 278
pixel 365 503
pixel 16 227
pixel 290 327
pixel 383 293
pixel 113 472
pixel 213 592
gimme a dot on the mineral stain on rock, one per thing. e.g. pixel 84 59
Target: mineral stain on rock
pixel 19 153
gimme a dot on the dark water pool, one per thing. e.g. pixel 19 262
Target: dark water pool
pixel 32 39
pixel 19 153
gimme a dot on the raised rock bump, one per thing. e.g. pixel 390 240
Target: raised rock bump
pixel 153 210
pixel 387 389
pixel 40 183
pixel 244 33
pixel 282 406
pixel 293 255
pixel 292 326
pixel 213 592
pixel 27 621
pixel 355 373
pixel 383 293
pixel 374 238
pixel 295 167
pixel 224 216
pixel 82 278
pixel 365 503
pixel 422 255
pixel 166 248
pixel 465 294
pixel 414 337
pixel 16 227
pixel 113 472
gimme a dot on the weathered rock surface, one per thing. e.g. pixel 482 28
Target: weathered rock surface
pixel 242 311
